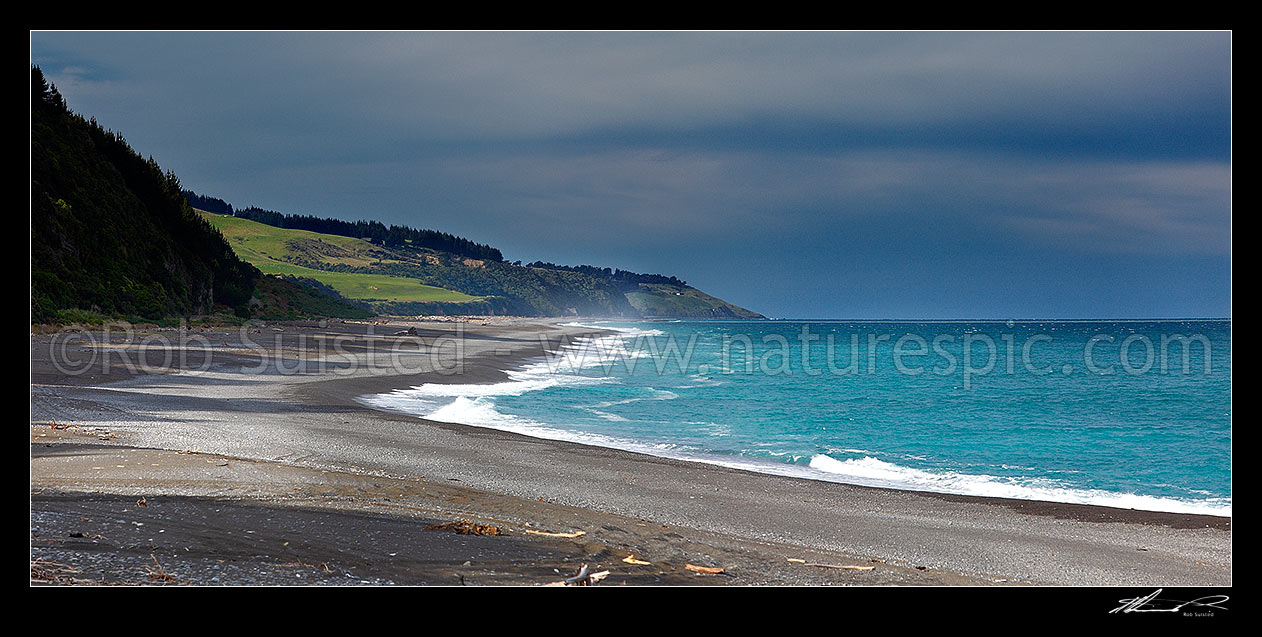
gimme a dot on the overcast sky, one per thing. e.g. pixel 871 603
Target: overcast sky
pixel 833 174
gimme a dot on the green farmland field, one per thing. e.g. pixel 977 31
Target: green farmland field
pixel 268 249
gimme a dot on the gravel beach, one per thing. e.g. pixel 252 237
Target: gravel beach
pixel 242 456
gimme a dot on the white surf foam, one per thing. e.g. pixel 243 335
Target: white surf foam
pixel 873 472
pixel 652 394
pixel 474 405
pixel 607 352
pixel 555 369
pixel 446 403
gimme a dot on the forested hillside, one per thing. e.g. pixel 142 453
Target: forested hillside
pixel 373 231
pixel 412 279
pixel 113 237
pixel 111 232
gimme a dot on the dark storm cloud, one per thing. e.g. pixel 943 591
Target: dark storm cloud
pixel 735 160
pixel 781 88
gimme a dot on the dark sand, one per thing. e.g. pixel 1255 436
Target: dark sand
pixel 293 481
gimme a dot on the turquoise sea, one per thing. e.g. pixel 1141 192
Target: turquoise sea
pixel 1132 414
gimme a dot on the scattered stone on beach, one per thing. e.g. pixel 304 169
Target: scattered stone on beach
pixel 464 527
pixel 411 331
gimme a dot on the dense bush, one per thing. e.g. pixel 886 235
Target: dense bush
pixel 376 232
pixel 624 280
pixel 111 232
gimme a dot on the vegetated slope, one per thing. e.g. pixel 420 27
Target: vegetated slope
pixel 658 300
pixel 382 266
pixel 411 279
pixel 658 295
pixel 374 231
pixel 306 254
pixel 289 298
pixel 110 231
pixel 112 235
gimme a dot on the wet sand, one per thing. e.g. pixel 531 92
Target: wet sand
pixel 290 470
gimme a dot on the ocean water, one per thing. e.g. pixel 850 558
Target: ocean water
pixel 1131 414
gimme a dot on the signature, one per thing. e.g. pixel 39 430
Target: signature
pixel 1153 604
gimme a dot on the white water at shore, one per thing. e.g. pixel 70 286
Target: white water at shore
pixel 873 472
pixel 475 405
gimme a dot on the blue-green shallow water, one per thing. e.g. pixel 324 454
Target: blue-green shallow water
pixel 1051 410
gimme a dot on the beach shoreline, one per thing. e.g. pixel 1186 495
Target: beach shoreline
pixel 283 424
